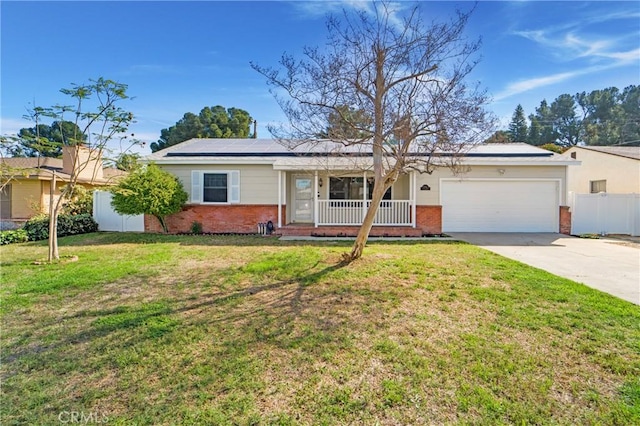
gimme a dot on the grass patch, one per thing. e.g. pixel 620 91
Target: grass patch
pixel 154 329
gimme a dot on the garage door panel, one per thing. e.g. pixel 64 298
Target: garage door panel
pixel 499 206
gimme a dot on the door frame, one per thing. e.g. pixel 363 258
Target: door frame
pixel 294 198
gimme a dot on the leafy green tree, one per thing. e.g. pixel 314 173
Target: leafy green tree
pixel 518 129
pixel 212 122
pixel 80 201
pixel 500 136
pixel 553 148
pixel 45 140
pixel 567 126
pixel 149 190
pixel 630 102
pixel 346 122
pixel 611 117
pixel 541 127
pixel 127 161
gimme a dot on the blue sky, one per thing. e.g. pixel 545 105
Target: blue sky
pixel 178 57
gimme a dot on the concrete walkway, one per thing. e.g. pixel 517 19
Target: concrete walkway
pixel 608 265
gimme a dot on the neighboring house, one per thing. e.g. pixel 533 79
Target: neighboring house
pixel 235 184
pixel 611 169
pixel 605 190
pixel 28 193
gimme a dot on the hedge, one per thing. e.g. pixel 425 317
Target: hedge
pixel 13 236
pixel 37 228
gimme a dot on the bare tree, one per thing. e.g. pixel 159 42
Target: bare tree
pixel 407 78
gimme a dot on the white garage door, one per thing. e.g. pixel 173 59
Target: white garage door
pixel 499 206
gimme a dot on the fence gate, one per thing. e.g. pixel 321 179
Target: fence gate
pixel 109 220
pixel 605 213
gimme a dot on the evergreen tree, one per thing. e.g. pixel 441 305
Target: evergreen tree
pixel 212 122
pixel 541 128
pixel 518 129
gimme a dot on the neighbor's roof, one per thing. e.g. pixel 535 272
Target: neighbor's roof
pixel 33 163
pixel 311 154
pixel 621 151
pixel 42 166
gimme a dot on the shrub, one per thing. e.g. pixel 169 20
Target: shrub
pixel 37 227
pixel 13 236
pixel 196 228
pixel 553 147
pixel 149 190
pixel 81 202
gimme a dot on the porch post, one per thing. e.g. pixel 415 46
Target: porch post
pixel 279 198
pixel 364 195
pixel 315 199
pixel 413 190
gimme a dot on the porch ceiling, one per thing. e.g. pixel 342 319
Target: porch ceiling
pixel 323 163
pixel 366 163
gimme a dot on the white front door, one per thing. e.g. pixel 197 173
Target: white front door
pixel 302 199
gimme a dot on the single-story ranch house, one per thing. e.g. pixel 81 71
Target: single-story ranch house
pixel 236 184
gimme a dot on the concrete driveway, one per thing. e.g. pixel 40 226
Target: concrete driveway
pixel 608 265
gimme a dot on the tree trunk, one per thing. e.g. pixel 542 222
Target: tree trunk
pixel 379 189
pixel 165 229
pixel 380 184
pixel 53 223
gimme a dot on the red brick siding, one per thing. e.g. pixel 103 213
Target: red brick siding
pixel 565 220
pixel 429 219
pixel 244 218
pixel 217 219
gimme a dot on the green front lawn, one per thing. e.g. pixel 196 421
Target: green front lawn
pixel 150 329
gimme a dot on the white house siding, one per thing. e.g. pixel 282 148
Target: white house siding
pixel 432 196
pixel 258 183
pixel 400 189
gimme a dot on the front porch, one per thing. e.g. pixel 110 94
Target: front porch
pixel 342 199
pixel 310 230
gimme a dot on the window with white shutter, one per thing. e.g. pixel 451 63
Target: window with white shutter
pixel 215 186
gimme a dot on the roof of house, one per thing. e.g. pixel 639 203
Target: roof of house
pixel 42 166
pixel 33 162
pixel 621 151
pixel 203 151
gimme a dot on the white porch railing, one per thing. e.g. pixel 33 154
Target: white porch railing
pixel 352 212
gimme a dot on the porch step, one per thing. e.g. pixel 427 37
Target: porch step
pixel 347 231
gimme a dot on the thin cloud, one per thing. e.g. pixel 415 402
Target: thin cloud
pixel 534 83
pixel 538 82
pixel 584 37
pixel 571 46
pixel 620 59
pixel 11 126
pixel 318 9
pixel 575 43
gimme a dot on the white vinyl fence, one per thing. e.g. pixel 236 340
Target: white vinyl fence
pixel 605 213
pixel 109 220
